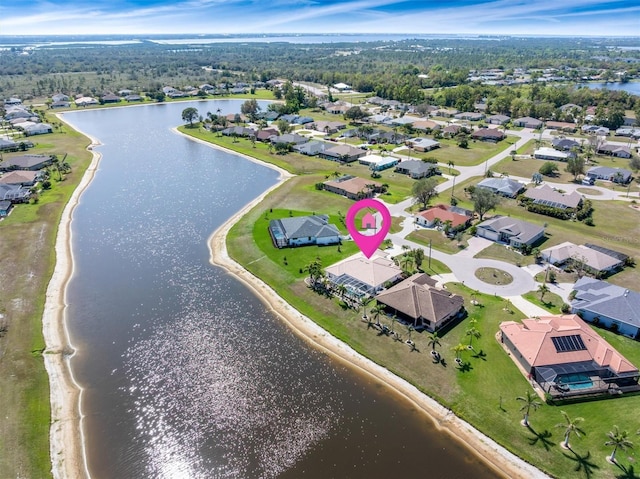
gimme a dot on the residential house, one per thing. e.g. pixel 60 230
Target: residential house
pixel 404 120
pixel 630 132
pixel 418 301
pixel 110 98
pixel 266 134
pixel 240 131
pixel 451 130
pixel 528 122
pixel 417 169
pixel 8 145
pixel 59 97
pixel 25 162
pixel 85 101
pixel 5 208
pixel 546 153
pixel 503 186
pixel 37 129
pixel 566 357
pixel 488 134
pixel 343 153
pixel 564 144
pixel 133 97
pixel 442 214
pixel 290 138
pixel 21 177
pixel 547 196
pixel 562 126
pixel 302 231
pixel 60 104
pixel 423 144
pixel 498 119
pixel 342 87
pixel 581 257
pixel 14 193
pixel 364 276
pixel 352 187
pixel 613 149
pixel 312 148
pixel 616 175
pixel 328 127
pixel 426 125
pixel 514 232
pixel 445 112
pixel 614 306
pixel 337 108
pixel 377 162
pixel 595 130
pixel 469 115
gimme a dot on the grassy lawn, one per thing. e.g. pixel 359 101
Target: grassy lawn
pixel 501 253
pixel 493 276
pixel 27 239
pixel 484 390
pixel 550 301
pixel 438 240
pixel 476 153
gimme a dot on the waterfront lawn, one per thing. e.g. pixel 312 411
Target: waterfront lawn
pixel 482 392
pixel 27 258
pixel 294 260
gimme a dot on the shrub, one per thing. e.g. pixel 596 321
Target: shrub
pixel 565 308
pixel 588 221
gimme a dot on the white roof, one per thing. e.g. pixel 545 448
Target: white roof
pixel 377 160
pixel 592 258
pixel 546 151
pixel 374 271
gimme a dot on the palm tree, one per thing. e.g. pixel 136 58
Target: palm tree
pixel 315 272
pixel 434 340
pixel 617 439
pixel 458 350
pixel 472 332
pixel 530 401
pixel 365 301
pixel 450 164
pixel 341 289
pixel 376 311
pixel 571 426
pixel 542 289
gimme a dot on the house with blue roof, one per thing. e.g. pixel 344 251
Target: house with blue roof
pixel 302 231
pixel 608 305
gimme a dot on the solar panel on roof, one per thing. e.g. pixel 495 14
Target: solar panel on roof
pixel 566 344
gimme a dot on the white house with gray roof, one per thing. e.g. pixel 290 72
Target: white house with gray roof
pixel 502 186
pixel 504 229
pixel 617 175
pixel 610 304
pixel 303 230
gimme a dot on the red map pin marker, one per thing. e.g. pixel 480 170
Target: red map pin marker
pixel 368 243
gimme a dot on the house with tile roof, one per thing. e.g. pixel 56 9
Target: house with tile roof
pixel 353 187
pixel 514 232
pixel 26 162
pixel 608 305
pixel 581 256
pixel 567 358
pixel 302 231
pixel 417 301
pixel 527 122
pixel 364 276
pixel 343 153
pixel 488 134
pixel 547 196
pixel 441 214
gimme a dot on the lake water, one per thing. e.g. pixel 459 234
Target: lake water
pixel 630 87
pixel 186 374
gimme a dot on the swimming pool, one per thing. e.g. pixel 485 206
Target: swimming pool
pixel 575 381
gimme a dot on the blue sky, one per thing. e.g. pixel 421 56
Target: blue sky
pixel 546 17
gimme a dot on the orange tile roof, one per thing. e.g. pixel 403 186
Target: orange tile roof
pixel 442 213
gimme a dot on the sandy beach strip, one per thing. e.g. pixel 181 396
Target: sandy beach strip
pixel 495 456
pixel 67 449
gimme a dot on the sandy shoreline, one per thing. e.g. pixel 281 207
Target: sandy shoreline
pixel 68 459
pixel 497 457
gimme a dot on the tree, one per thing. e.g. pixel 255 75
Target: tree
pixel 189 115
pixel 617 439
pixel 575 166
pixel 542 289
pixel 250 108
pixel 459 349
pixel 433 341
pixel 548 168
pixel 283 126
pixel 570 426
pixel 472 332
pixel 450 164
pixel 418 257
pixel 484 200
pixel 355 113
pixel 529 402
pixel 536 178
pixel 423 190
pixel 315 272
pixel 634 163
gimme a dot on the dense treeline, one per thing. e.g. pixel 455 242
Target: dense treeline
pixel 388 69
